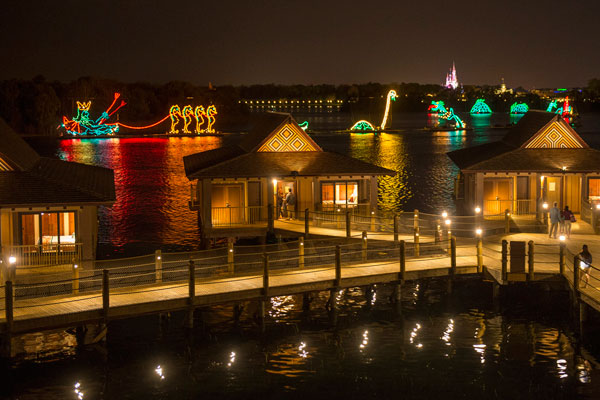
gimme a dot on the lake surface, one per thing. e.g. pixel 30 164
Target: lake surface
pixel 459 346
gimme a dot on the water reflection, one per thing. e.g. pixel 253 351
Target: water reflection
pixel 159 371
pixel 151 189
pixel 78 390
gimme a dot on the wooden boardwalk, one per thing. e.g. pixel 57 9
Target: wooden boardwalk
pixel 68 310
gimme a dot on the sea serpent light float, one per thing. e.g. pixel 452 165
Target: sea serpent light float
pixel 448 115
pixel 364 125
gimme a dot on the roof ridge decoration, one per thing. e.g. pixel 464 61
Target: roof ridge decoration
pixel 288 137
pixel 556 134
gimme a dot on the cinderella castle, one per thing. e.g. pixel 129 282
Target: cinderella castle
pixel 451 81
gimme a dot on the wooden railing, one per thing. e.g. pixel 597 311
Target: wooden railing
pixel 43 255
pixel 230 216
pixel 515 207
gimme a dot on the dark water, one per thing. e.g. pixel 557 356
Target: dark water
pixel 451 347
pixel 454 347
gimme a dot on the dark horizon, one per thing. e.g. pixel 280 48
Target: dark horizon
pixel 533 44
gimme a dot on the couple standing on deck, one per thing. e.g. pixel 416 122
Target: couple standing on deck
pixel 563 218
pixel 285 205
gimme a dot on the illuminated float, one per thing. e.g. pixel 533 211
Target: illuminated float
pixel 519 108
pixel 480 107
pixel 365 126
pixel 83 125
pixel 446 114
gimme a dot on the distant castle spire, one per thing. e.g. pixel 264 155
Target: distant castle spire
pixel 451 79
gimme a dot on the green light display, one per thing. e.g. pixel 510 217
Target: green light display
pixel 480 107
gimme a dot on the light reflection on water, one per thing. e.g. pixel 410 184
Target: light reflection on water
pixel 152 211
pixel 429 346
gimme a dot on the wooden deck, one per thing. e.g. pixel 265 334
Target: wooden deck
pixel 50 312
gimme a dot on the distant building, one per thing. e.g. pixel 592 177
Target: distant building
pixel 48 207
pixel 451 79
pixel 235 186
pixel 502 89
pixel 541 159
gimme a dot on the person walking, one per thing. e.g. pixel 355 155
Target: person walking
pixel 290 203
pixel 554 220
pixel 585 263
pixel 568 218
pixel 279 205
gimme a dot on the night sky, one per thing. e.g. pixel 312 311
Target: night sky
pixel 529 43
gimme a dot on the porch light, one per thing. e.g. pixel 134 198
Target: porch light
pixel 545 206
pixel 562 238
pixel 12 260
pixel 231 250
pixel 372 212
pixel 274 182
pixel 75 266
pixel 448 222
pixel 478 231
pixel 444 214
pixel 564 168
pixel 477 210
pixel 158 258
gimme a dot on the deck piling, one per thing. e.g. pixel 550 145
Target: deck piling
pixel 395 228
pixel 191 293
pixel 301 252
pixel 105 295
pixel 230 256
pixel 504 260
pixel 348 225
pixel 306 223
pixel 530 260
pixel 479 255
pixel 417 247
pixel 158 266
pixel 8 309
pixel 562 259
pixel 75 278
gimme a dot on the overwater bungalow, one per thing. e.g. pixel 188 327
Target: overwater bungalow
pixel 233 187
pixel 541 160
pixel 48 207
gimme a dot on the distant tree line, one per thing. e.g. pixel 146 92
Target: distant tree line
pixel 36 106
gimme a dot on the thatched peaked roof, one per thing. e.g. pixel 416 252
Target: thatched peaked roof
pixel 34 180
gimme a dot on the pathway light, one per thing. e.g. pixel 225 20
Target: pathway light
pixel 477 210
pixel 478 231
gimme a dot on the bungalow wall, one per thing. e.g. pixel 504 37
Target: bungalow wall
pixel 76 225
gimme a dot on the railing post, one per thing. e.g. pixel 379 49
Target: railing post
pixel 230 255
pixel 338 267
pixel 364 246
pixel 453 256
pixel 265 289
pixel 348 224
pixel 8 306
pixel 306 222
pixel 395 228
pixel 506 221
pixel 158 266
pixel 416 242
pixel 438 231
pixel 479 255
pixel 504 259
pixel 270 219
pixel 576 277
pixel 530 259
pixel 105 295
pixel 402 257
pixel 416 219
pixel 75 278
pixel 562 259
pixel 191 282
pixel 301 252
